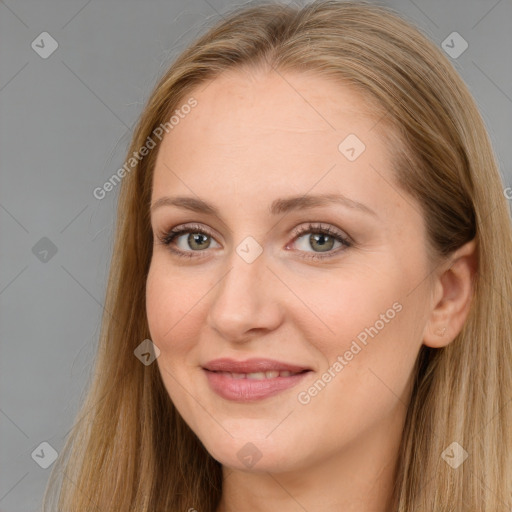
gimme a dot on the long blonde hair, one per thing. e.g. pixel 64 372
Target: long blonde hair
pixel 130 450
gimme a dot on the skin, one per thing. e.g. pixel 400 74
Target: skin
pixel 255 137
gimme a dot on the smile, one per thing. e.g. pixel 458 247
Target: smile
pixel 272 374
pixel 249 387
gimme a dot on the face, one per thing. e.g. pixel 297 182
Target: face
pixel 269 271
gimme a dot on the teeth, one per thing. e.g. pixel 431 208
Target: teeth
pixel 271 374
pixel 257 375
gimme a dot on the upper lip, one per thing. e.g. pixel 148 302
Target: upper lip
pixel 253 365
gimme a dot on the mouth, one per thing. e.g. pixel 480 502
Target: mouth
pixel 253 379
pixel 271 374
pixel 254 365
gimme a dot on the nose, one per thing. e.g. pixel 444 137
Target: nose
pixel 245 303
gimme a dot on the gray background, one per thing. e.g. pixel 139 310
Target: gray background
pixel 65 124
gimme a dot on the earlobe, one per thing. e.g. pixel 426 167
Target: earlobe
pixel 453 296
pixel 440 331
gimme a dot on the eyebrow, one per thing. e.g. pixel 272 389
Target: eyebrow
pixel 277 207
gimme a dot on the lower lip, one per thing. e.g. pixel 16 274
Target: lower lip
pixel 248 390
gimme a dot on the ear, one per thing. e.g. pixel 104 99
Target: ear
pixel 452 294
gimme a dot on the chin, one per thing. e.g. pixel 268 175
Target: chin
pixel 254 454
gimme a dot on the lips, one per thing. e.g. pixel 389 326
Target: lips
pixel 253 379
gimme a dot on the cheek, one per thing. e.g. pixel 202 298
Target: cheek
pixel 344 302
pixel 176 308
pixel 168 307
pixel 172 312
pixel 370 323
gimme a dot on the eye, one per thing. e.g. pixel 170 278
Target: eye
pixel 197 240
pixel 322 239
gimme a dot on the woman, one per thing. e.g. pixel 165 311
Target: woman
pixel 309 298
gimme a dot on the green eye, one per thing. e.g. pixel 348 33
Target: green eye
pixel 322 239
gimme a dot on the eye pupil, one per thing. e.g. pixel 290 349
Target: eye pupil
pixel 325 241
pixel 194 238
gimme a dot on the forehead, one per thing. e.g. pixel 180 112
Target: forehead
pixel 272 134
pixel 261 103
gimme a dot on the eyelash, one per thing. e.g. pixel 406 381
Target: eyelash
pixel 168 237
